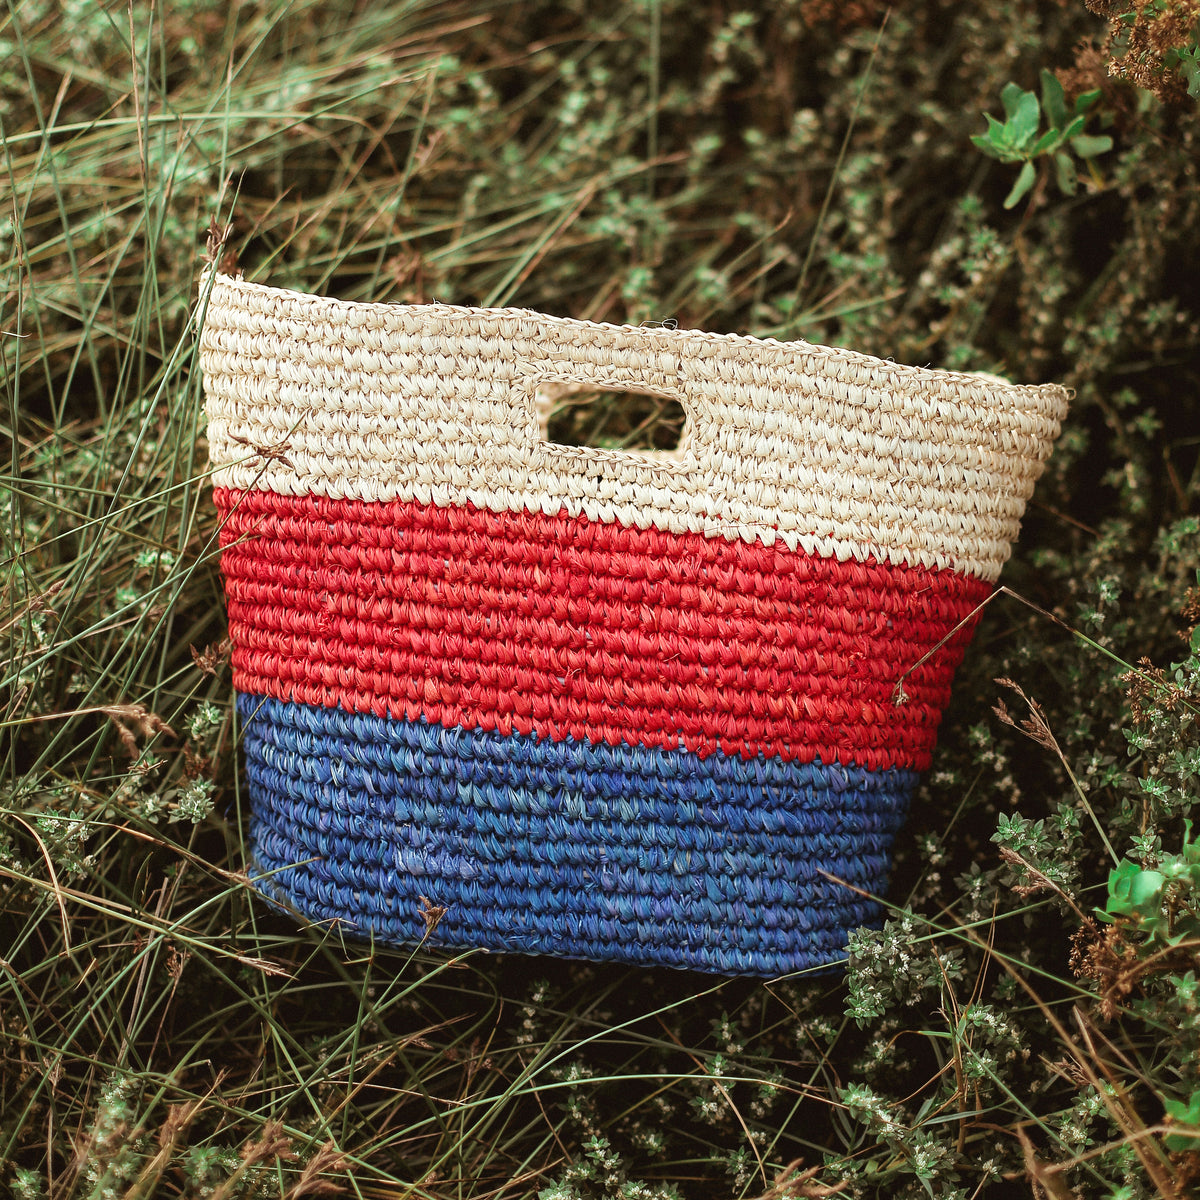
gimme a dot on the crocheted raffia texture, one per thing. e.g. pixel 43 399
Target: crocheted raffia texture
pixel 606 705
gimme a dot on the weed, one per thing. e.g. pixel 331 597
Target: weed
pixel 1017 138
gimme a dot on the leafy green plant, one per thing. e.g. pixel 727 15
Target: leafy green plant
pixel 1162 902
pixel 1021 138
pixel 1185 1113
pixel 1154 44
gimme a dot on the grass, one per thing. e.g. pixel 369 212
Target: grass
pixel 794 169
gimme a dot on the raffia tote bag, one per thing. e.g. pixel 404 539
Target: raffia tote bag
pixel 501 693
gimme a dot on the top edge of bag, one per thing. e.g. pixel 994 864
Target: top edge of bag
pixel 652 333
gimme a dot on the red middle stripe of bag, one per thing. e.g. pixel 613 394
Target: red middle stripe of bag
pixel 563 627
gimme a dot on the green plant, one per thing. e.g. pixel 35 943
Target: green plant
pixel 1020 137
pixel 1154 44
pixel 1161 902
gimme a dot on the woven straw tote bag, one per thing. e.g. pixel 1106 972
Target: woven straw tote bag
pixel 501 693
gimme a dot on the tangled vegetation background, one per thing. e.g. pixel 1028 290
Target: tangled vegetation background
pixel 1028 1021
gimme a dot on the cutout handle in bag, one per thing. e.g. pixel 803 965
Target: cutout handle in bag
pixel 610 394
pixel 575 414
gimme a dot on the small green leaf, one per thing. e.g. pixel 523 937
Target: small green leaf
pixel 1024 121
pixel 1185 931
pixel 1191 72
pixel 1088 145
pixel 997 131
pixel 982 142
pixel 1186 60
pixel 1010 96
pixel 1074 128
pixel 1064 171
pixel 1134 892
pixel 1024 183
pixel 1146 891
pixel 1191 846
pixel 1184 1114
pixel 1054 100
pixel 999 142
pixel 1047 142
pixel 1085 100
pixel 995 142
pixel 1117 886
pixel 1187 1114
pixel 1194 642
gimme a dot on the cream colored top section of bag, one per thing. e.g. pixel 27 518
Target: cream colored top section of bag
pixel 837 453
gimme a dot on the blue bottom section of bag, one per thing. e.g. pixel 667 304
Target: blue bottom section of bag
pixel 534 846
